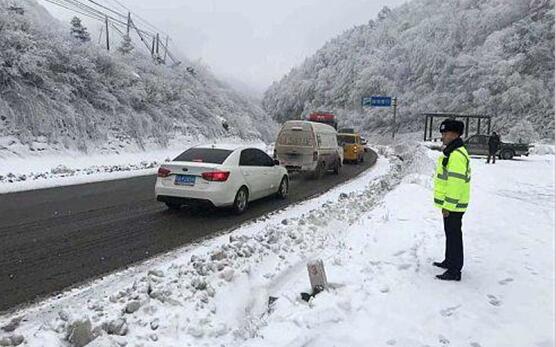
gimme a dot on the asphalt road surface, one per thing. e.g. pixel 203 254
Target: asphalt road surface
pixel 52 239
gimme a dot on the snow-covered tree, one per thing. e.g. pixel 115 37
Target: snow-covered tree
pixel 384 13
pixel 83 97
pixel 126 46
pixel 523 132
pixel 78 30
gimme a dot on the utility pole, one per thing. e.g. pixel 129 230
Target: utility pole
pixel 395 105
pixel 157 43
pixel 165 49
pixel 152 47
pixel 139 33
pixel 107 35
pixel 100 35
pixel 128 22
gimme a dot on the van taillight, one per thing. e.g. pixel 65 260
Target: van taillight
pixel 163 172
pixel 216 176
pixel 315 156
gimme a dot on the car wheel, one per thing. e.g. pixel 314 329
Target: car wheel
pixel 319 171
pixel 507 155
pixel 173 205
pixel 241 200
pixel 284 188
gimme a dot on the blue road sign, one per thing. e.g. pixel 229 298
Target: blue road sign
pixel 376 101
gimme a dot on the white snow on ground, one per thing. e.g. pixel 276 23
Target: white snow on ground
pixel 386 294
pixel 377 236
pixel 542 149
pixel 48 168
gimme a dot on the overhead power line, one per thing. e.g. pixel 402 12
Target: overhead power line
pixel 141 19
pixel 117 20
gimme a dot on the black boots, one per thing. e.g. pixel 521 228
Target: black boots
pixel 450 276
pixel 442 265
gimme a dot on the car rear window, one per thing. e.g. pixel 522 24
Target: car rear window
pixel 294 137
pixel 204 155
pixel 343 139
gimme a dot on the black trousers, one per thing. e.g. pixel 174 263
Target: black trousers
pixel 493 155
pixel 454 241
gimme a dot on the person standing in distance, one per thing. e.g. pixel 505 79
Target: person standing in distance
pixel 451 195
pixel 493 145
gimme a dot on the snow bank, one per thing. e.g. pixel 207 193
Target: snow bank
pixel 542 149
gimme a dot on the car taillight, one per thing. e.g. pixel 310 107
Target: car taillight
pixel 216 176
pixel 355 149
pixel 315 156
pixel 163 172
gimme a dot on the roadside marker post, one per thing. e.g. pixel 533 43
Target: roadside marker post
pixel 317 275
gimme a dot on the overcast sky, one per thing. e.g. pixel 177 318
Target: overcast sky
pixel 252 41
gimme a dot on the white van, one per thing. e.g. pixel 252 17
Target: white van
pixel 308 147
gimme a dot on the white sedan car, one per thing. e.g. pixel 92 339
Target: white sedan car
pixel 221 175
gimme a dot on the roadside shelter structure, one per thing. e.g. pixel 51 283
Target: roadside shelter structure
pixel 478 122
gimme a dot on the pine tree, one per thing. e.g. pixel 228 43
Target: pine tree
pixel 125 47
pixel 78 30
pixel 384 13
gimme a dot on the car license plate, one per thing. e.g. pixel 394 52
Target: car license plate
pixel 185 180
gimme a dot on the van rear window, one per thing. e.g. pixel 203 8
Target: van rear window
pixel 204 155
pixel 294 137
pixel 345 139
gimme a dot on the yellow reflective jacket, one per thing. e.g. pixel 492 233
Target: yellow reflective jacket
pixel 452 182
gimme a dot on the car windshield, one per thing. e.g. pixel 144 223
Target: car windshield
pixel 345 139
pixel 204 155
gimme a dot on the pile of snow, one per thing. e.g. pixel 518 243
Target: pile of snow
pixel 62 171
pixel 377 236
pixel 542 149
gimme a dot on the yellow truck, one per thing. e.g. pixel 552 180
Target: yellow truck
pixel 354 150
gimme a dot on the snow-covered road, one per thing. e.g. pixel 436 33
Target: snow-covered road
pixel 377 236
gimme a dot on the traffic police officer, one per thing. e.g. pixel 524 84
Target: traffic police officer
pixel 451 195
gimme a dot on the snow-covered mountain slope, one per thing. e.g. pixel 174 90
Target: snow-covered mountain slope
pixel 377 246
pixel 59 93
pixel 494 57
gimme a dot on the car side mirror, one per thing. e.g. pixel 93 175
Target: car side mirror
pixel 276 162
